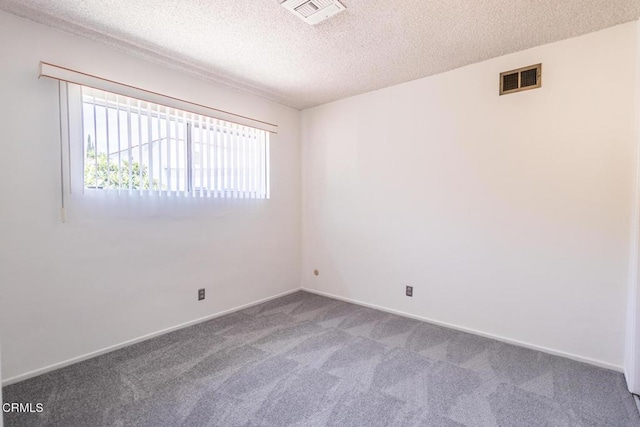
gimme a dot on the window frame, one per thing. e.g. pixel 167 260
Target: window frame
pixel 73 157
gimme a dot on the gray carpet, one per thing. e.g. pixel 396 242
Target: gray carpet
pixel 306 360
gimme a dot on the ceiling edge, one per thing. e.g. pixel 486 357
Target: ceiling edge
pixel 142 52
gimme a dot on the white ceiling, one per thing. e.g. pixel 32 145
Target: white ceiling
pixel 259 47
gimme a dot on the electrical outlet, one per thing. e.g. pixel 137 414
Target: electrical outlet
pixel 409 291
pixel 200 294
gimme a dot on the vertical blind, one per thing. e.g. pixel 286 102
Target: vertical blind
pixel 138 146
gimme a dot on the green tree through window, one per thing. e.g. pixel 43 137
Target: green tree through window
pixel 100 173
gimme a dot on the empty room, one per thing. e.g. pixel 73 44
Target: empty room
pixel 320 213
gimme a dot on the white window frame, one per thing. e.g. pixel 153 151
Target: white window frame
pixel 73 155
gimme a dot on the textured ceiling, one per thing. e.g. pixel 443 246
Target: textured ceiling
pixel 259 47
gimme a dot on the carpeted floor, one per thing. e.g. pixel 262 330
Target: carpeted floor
pixel 307 360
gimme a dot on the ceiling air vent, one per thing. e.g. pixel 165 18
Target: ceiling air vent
pixel 521 79
pixel 313 11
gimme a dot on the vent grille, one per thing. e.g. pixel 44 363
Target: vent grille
pixel 529 78
pixel 313 11
pixel 510 82
pixel 521 79
pixel 307 9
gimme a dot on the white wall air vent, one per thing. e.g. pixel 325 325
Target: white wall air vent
pixel 521 79
pixel 313 11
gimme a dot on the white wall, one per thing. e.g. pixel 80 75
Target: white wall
pixel 1 401
pixel 632 353
pixel 70 289
pixel 509 215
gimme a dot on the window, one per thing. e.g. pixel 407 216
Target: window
pixel 135 146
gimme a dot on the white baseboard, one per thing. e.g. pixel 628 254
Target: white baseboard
pixel 109 349
pixel 566 355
